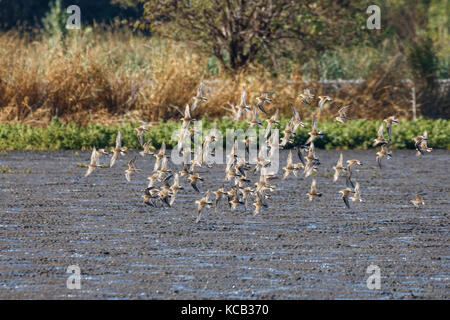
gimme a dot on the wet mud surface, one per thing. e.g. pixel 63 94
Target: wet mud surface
pixel 51 218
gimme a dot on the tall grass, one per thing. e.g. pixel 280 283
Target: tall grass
pixel 355 134
pixel 101 74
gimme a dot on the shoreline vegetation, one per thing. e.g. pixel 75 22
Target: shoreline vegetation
pixel 354 134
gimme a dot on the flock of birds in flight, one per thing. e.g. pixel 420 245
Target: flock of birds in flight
pixel 238 168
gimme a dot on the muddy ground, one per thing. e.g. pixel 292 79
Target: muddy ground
pixel 51 218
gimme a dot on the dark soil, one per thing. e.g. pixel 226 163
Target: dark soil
pixel 51 218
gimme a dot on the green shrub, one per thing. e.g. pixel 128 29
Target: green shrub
pixel 355 134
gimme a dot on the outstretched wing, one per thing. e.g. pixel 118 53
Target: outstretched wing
pixel 341 160
pixel 347 204
pixel 119 140
pixel 187 113
pixel 243 98
pixel 313 186
pixel 342 111
pixel 381 131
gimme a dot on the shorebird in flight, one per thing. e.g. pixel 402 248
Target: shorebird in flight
pixel 356 195
pixel 201 204
pixel 306 96
pixel 159 156
pixel 260 202
pixel 200 97
pixel 296 120
pixel 118 149
pixel 342 116
pixel 193 178
pixel 380 140
pixel 323 100
pixel 345 192
pixel 314 131
pixel 313 192
pixel 289 166
pixel 93 163
pixel 270 122
pixel 147 146
pixel 421 144
pixel 383 152
pixel 131 169
pixel 389 121
pixel 418 201
pixel 264 98
pixel 338 168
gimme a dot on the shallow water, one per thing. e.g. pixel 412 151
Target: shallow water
pixel 295 249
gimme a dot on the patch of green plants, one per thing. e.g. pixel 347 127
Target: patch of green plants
pixel 354 134
pixel 5 169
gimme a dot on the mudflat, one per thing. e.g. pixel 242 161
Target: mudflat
pixel 51 217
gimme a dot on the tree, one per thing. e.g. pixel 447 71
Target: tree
pixel 238 32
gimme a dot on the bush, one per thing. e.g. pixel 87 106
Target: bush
pixel 356 134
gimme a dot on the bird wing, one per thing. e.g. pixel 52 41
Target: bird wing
pixel 300 156
pixel 346 201
pixel 296 114
pixel 178 109
pixel 89 171
pixel 314 123
pixel 187 113
pixel 113 158
pixel 342 111
pixel 313 186
pixel 162 150
pixel 119 140
pixel 94 157
pixel 243 98
pixel 356 188
pixel 131 163
pixel 155 168
pixel 261 106
pixel 381 131
pixel 289 158
pixel 340 161
pixel 194 185
pixel 200 92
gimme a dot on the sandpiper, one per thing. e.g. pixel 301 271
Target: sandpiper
pixel 383 152
pixel 313 193
pixel 118 149
pixel 389 121
pixel 338 168
pixel 131 169
pixel 345 192
pixel 380 139
pixel 201 204
pixel 356 195
pixel 322 101
pixel 342 116
pixel 418 201
pixel 193 180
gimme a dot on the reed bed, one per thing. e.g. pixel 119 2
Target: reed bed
pixel 107 77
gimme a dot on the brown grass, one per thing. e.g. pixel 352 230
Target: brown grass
pixel 105 76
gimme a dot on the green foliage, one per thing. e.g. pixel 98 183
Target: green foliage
pixel 55 20
pixel 355 134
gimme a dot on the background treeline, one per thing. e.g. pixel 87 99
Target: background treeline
pixel 28 14
pixel 136 58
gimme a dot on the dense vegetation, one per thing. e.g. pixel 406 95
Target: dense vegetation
pixel 355 134
pixel 149 55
